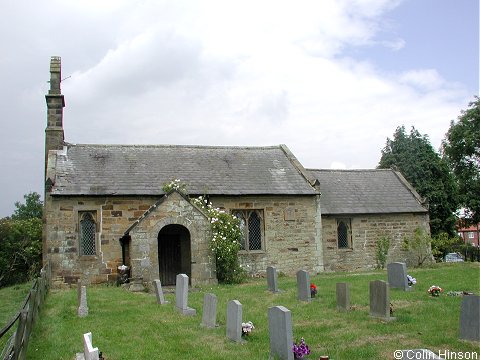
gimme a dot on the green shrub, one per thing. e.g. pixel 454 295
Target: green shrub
pixel 381 251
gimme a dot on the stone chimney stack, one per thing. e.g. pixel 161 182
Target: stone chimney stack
pixel 54 136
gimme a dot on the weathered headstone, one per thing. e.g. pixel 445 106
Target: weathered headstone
pixel 209 314
pixel 89 351
pixel 470 318
pixel 397 276
pixel 234 321
pixel 280 331
pixel 380 300
pixel 272 279
pixel 303 286
pixel 82 307
pixel 181 295
pixel 343 296
pixel 159 292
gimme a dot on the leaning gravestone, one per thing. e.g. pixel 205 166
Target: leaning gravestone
pixel 470 318
pixel 209 313
pixel 159 292
pixel 280 331
pixel 181 295
pixel 234 321
pixel 380 300
pixel 82 307
pixel 272 279
pixel 343 296
pixel 397 276
pixel 303 286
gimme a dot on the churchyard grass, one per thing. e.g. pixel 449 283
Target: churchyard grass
pixel 11 298
pixel 129 325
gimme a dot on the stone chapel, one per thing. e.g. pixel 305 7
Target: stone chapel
pixel 104 207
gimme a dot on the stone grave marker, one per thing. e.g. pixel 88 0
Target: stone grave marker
pixel 280 332
pixel 159 292
pixel 343 296
pixel 303 286
pixel 397 276
pixel 181 295
pixel 470 318
pixel 380 300
pixel 79 290
pixel 89 352
pixel 272 279
pixel 234 321
pixel 209 313
pixel 82 307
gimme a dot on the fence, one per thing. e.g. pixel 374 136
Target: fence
pixel 16 346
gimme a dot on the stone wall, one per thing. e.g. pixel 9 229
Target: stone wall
pixel 112 215
pixel 366 230
pixel 292 237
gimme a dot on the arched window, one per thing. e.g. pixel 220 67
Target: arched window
pixel 251 225
pixel 87 234
pixel 344 236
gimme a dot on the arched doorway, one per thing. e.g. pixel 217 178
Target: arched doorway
pixel 174 254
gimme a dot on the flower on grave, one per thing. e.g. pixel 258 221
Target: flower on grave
pixel 247 328
pixel 435 290
pixel 301 349
pixel 313 289
pixel 411 280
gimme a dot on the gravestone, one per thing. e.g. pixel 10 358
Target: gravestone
pixel 89 351
pixel 234 321
pixel 380 300
pixel 280 332
pixel 343 296
pixel 209 314
pixel 82 307
pixel 397 276
pixel 159 292
pixel 470 318
pixel 181 295
pixel 79 290
pixel 272 279
pixel 303 286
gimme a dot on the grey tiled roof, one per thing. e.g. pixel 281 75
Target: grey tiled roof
pixel 143 169
pixel 366 192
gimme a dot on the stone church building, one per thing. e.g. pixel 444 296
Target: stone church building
pixel 104 207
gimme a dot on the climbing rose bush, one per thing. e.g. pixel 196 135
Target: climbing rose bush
pixel 225 242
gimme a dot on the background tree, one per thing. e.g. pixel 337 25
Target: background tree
pixel 413 155
pixel 21 242
pixel 461 149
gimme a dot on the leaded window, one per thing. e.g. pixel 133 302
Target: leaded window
pixel 251 225
pixel 87 234
pixel 344 234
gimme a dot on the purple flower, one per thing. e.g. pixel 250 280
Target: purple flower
pixel 300 350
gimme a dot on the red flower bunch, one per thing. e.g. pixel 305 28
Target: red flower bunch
pixel 313 289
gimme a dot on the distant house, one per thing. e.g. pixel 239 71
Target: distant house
pixel 469 234
pixel 104 207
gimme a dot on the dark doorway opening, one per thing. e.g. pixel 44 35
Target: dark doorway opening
pixel 174 255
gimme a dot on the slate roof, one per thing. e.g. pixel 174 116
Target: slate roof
pixel 144 169
pixel 366 192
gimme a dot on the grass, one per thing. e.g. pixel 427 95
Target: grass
pixel 129 325
pixel 11 298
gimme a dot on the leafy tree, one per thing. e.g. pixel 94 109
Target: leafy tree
pixel 413 155
pixel 33 207
pixel 21 242
pixel 461 149
pixel 419 245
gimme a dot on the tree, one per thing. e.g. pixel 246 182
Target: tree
pixel 33 207
pixel 21 242
pixel 413 155
pixel 461 149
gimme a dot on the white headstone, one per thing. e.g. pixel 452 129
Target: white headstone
pixel 234 320
pixel 89 351
pixel 181 295
pixel 83 308
pixel 159 292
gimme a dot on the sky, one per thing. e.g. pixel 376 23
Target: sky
pixel 331 79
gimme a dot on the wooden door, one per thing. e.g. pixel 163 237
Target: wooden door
pixel 169 258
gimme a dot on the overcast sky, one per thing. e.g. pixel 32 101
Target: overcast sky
pixel 332 79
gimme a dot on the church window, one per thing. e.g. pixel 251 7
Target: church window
pixel 344 234
pixel 251 225
pixel 87 233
